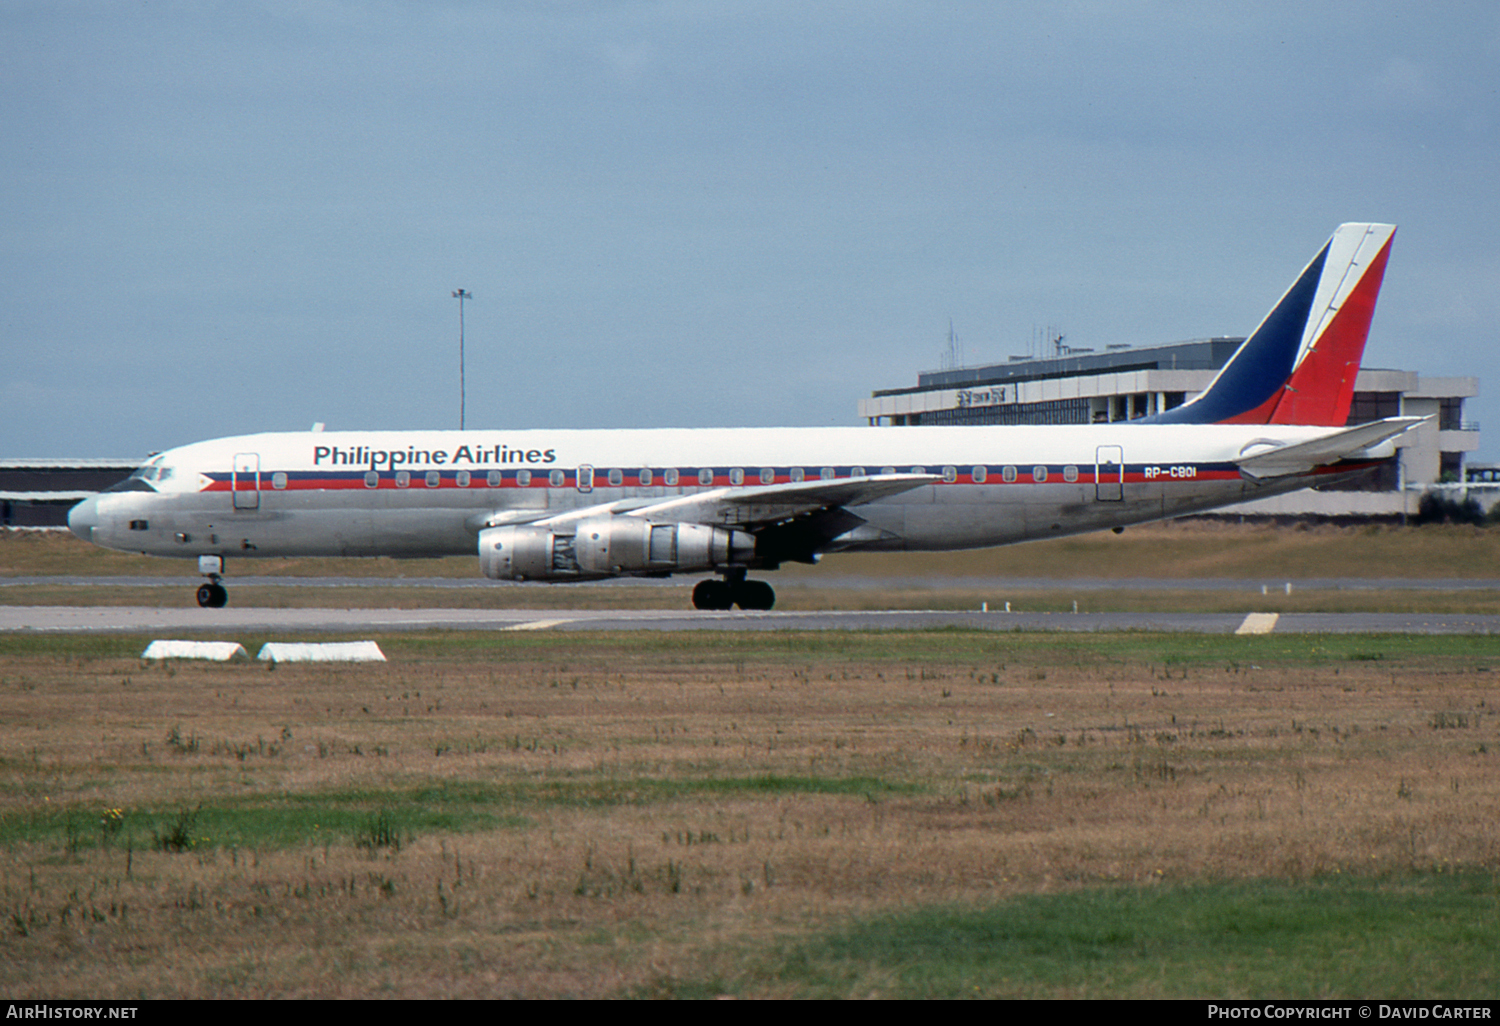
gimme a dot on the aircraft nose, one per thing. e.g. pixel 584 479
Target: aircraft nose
pixel 84 517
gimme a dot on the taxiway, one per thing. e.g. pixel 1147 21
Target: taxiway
pixel 195 621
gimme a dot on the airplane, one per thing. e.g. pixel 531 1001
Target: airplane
pixel 578 505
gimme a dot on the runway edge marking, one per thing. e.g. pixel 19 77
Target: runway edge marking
pixel 1258 623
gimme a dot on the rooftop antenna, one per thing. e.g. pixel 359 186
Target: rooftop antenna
pixel 1047 343
pixel 461 295
pixel 955 357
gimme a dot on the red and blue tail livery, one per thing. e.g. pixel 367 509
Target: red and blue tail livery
pixel 1299 365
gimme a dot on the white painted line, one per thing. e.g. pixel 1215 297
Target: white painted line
pixel 537 625
pixel 1258 623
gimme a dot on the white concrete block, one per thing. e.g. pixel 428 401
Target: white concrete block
pixel 321 652
pixel 222 651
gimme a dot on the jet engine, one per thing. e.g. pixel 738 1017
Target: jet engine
pixel 608 546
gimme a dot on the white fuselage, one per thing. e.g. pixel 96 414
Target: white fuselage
pixel 429 493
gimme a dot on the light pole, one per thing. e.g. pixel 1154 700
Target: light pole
pixel 461 295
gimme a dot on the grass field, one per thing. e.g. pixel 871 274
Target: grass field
pixel 958 580
pixel 841 814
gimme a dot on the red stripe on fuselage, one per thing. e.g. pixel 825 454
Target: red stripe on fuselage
pixel 994 475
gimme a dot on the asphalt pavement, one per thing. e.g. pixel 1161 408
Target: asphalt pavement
pixel 195 621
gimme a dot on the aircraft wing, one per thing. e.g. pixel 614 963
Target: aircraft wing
pixel 742 507
pixel 1260 460
pixel 516 517
pixel 749 507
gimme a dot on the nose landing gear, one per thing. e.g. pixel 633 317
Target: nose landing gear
pixel 733 590
pixel 212 595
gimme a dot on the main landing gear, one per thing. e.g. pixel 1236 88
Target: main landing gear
pixel 212 595
pixel 733 590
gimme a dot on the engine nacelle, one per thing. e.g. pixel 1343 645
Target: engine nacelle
pixel 608 546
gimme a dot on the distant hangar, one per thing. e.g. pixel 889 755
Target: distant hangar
pixel 39 492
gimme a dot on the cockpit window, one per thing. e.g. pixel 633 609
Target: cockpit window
pixel 144 480
pixel 137 482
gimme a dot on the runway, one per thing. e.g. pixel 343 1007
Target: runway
pixel 230 620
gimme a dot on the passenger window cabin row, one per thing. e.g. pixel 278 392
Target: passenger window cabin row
pixel 671 477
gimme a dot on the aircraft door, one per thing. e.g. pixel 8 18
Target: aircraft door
pixel 245 482
pixel 585 478
pixel 1109 473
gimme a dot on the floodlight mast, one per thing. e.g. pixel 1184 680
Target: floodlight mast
pixel 461 295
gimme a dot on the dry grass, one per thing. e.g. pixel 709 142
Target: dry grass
pixel 1192 548
pixel 592 815
pixel 959 580
pixel 1184 548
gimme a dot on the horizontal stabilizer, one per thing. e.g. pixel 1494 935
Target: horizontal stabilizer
pixel 1261 460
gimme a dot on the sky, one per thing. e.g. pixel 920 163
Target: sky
pixel 225 217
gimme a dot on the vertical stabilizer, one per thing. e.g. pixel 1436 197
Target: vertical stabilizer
pixel 1247 388
pixel 1321 387
pixel 1299 366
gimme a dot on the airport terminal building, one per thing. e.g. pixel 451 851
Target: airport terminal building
pixel 1123 383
